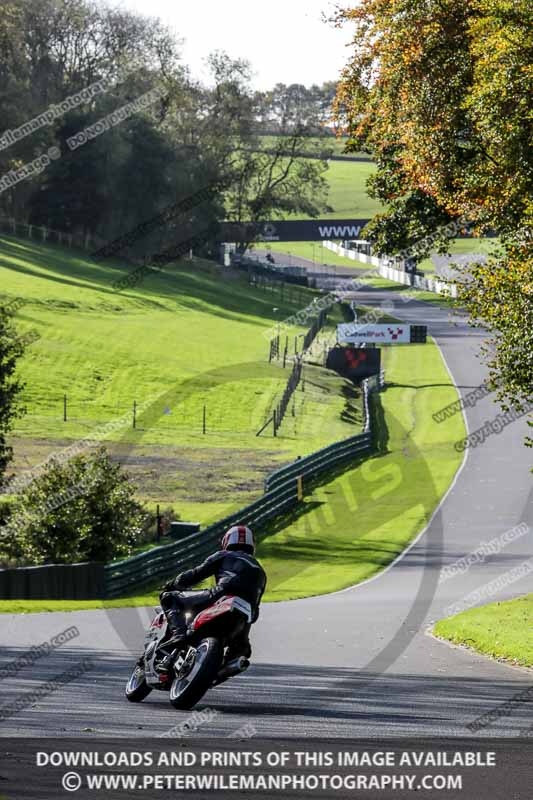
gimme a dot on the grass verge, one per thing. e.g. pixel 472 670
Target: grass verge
pixel 350 527
pixel 503 631
pixel 314 252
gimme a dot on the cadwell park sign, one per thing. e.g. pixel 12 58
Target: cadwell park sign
pixel 381 333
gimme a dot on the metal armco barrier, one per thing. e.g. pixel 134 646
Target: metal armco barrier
pixel 321 461
pixel 281 494
pixel 162 562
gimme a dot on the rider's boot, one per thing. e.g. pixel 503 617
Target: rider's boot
pixel 178 630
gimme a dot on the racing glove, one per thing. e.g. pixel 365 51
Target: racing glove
pixel 169 586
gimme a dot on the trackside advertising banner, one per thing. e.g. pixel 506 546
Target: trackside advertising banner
pixel 299 230
pixel 380 333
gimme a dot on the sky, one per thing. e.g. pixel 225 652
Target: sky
pixel 286 41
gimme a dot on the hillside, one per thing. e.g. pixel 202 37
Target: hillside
pixel 187 337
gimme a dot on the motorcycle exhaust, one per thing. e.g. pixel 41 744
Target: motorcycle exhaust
pixel 230 669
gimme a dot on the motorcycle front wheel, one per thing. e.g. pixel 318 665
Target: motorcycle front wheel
pixel 188 688
pixel 137 688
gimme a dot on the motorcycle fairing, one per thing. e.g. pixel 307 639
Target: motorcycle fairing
pixel 223 606
pixel 154 635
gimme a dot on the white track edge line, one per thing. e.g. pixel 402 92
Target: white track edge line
pixel 417 538
pixel 473 653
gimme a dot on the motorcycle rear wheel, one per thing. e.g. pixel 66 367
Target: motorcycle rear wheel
pixel 137 688
pixel 185 692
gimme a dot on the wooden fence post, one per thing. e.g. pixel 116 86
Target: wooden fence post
pixel 158 524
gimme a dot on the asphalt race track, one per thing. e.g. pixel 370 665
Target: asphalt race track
pixel 283 260
pixel 355 663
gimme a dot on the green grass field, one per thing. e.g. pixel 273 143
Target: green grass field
pixel 348 199
pixel 347 195
pixel 314 251
pixel 352 525
pixel 185 338
pixel 347 191
pixel 500 630
pixel 320 144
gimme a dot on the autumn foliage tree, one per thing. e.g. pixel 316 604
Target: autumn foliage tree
pixel 440 92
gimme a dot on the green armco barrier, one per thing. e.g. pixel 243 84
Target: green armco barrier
pixel 281 494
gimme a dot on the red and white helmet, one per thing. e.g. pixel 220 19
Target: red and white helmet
pixel 238 536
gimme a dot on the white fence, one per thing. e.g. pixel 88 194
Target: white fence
pixel 44 234
pixel 392 274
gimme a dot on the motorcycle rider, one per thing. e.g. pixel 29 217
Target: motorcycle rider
pixel 236 571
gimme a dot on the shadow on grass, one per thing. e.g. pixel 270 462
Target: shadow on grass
pixel 352 411
pixel 393 385
pixel 380 438
pixel 314 549
pixel 54 259
pixel 189 286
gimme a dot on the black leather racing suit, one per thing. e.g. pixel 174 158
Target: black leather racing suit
pixel 236 573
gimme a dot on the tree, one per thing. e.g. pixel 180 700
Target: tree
pixel 75 190
pixel 270 185
pixel 297 106
pixel 50 50
pixel 441 92
pixel 414 221
pixel 80 510
pixel 263 182
pixel 11 349
pixel 196 136
pixel 499 296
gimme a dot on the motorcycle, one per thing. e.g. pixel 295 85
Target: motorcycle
pixel 202 662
